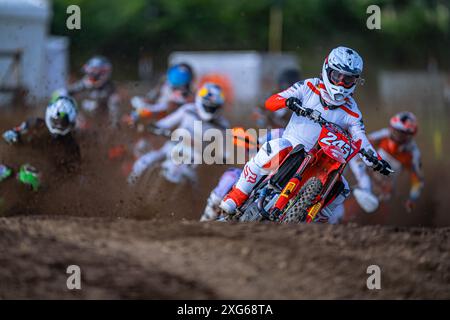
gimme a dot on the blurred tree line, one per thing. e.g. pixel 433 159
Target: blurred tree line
pixel 413 32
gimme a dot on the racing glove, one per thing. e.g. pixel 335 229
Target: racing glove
pixel 383 167
pixel 159 131
pixel 292 103
pixel 138 103
pixel 11 136
pixel 5 172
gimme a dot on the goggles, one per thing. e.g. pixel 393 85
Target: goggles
pixel 401 136
pixel 211 108
pixel 340 79
pixel 61 123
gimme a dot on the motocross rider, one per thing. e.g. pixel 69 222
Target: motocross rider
pixel 97 91
pixel 229 178
pixel 175 91
pixel 208 103
pixel 332 96
pixel 52 135
pixel 264 119
pixel 396 144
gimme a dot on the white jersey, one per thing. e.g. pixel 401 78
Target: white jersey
pixel 185 118
pixel 301 130
pixel 166 96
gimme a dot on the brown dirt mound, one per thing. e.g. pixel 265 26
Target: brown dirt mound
pixel 142 242
pixel 123 258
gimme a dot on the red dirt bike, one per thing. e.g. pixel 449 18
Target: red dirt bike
pixel 305 182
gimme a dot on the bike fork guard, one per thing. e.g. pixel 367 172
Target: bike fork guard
pixel 292 187
pixel 313 211
pixel 288 192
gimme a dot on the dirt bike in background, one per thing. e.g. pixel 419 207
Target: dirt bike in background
pixel 305 182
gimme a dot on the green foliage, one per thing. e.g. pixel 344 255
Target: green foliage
pixel 412 30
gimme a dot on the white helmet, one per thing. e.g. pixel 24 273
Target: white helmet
pixel 97 71
pixel 61 115
pixel 340 73
pixel 209 100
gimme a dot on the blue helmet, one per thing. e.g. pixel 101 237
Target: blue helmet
pixel 180 75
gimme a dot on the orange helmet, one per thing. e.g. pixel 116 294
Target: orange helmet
pixel 403 126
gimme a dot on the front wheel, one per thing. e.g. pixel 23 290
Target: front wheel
pixel 308 193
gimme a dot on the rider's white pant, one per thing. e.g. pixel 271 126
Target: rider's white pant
pixel 149 159
pixel 334 212
pixel 267 159
pixel 172 170
pixel 359 170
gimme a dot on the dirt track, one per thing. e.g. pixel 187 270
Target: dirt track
pixel 124 258
pixel 144 242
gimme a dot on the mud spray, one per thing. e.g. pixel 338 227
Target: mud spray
pixel 163 252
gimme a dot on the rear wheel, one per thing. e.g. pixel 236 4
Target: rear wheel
pixel 308 193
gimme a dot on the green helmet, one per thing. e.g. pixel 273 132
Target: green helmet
pixel 28 175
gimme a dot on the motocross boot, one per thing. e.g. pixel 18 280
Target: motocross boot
pixel 234 199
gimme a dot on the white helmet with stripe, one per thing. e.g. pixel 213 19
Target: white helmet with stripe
pixel 340 73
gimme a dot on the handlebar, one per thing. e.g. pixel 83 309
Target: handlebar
pixel 369 155
pixel 315 116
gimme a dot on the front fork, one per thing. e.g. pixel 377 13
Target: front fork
pixel 292 187
pixel 315 209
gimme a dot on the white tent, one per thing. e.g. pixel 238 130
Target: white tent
pixel 24 28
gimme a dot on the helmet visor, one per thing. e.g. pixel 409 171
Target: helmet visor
pixel 96 74
pixel 340 79
pixel 401 136
pixel 211 108
pixel 60 123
